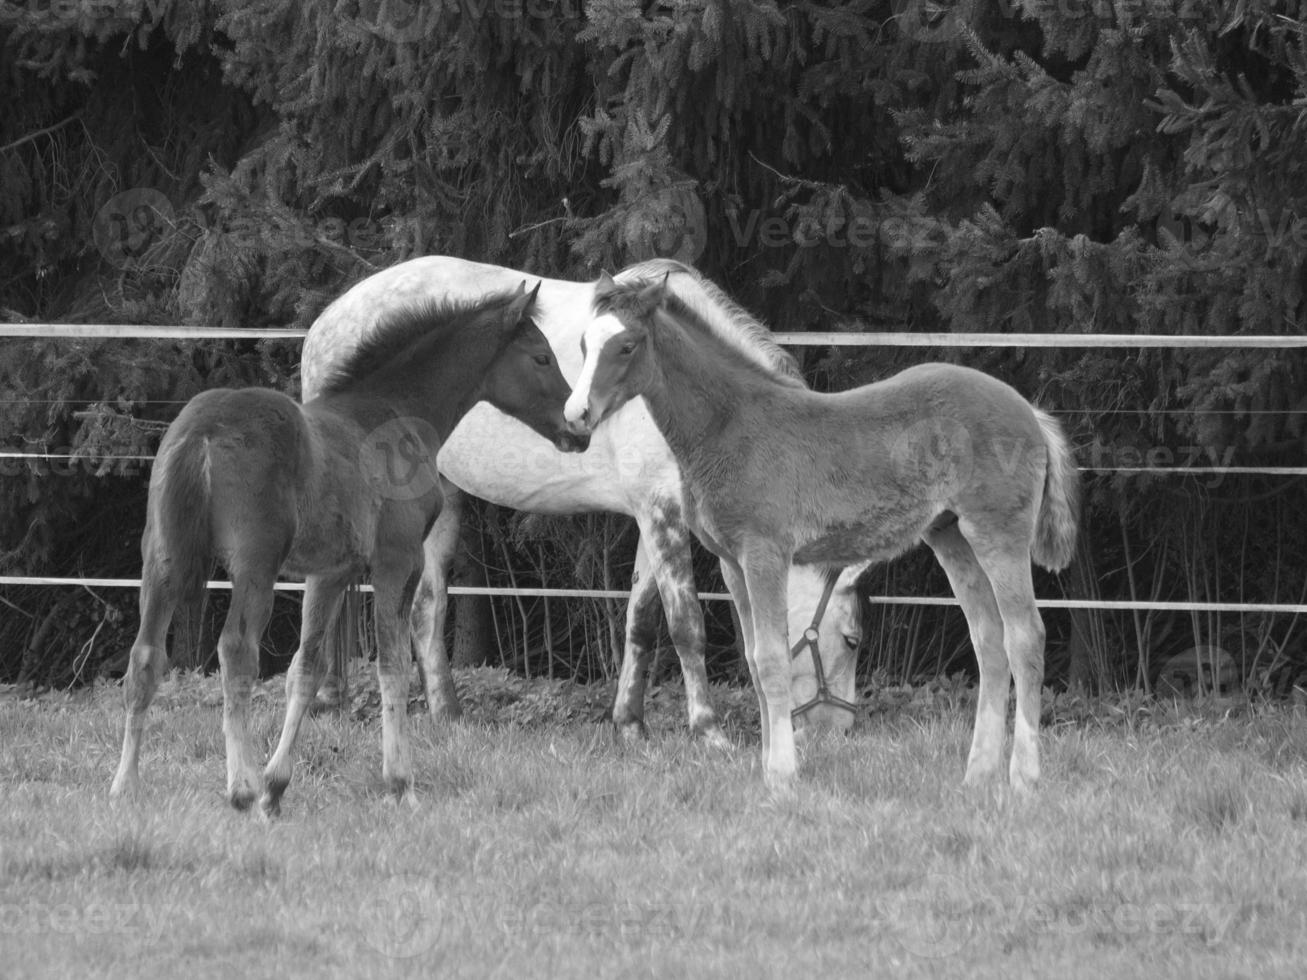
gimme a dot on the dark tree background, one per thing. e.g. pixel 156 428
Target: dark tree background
pixel 980 165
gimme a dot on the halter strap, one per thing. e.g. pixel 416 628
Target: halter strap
pixel 811 639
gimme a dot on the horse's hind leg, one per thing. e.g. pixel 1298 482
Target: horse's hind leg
pixel 641 633
pixel 971 586
pixel 667 540
pixel 149 659
pixel 431 608
pixel 1007 564
pixel 238 657
pixel 322 601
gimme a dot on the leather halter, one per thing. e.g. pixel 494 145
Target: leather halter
pixel 811 640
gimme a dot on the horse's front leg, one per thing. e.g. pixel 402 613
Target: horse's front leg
pixel 431 608
pixel 766 570
pixel 322 603
pixel 641 634
pixel 395 575
pixel 733 576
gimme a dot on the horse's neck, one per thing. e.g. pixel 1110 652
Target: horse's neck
pixel 439 389
pixel 696 386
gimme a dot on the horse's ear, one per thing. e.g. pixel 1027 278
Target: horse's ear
pixel 652 295
pixel 605 286
pixel 520 303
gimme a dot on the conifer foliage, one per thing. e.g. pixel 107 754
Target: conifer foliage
pixel 964 166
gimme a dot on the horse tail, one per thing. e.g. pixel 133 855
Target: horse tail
pixel 180 512
pixel 1059 512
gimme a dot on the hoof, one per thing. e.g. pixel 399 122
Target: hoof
pixel 630 732
pixel 397 785
pixel 407 800
pixel 273 790
pixel 980 777
pixel 241 799
pixel 715 738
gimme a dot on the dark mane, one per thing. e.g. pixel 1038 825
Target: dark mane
pixel 397 332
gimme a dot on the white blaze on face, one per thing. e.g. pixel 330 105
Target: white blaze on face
pixel 597 335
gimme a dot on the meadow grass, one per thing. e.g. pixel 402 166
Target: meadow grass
pixel 1161 842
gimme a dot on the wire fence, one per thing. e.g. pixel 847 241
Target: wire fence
pixel 50 331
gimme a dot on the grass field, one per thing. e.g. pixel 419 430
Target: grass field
pixel 1163 842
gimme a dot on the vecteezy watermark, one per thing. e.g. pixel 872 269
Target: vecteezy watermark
pixel 401 917
pixel 932 919
pixel 934 455
pixel 131 223
pixel 397 461
pixel 134 920
pixel 860 231
pixel 1207 921
pixel 672 224
pixel 1207 462
pixel 946 21
pixel 940 915
pixel 406 915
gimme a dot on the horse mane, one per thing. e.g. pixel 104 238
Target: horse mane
pixel 721 315
pixel 398 331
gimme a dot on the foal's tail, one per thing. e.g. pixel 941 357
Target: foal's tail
pixel 1059 513
pixel 180 514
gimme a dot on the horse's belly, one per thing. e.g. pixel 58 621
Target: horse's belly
pixel 855 542
pixel 494 456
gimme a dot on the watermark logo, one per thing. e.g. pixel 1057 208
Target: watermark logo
pixel 397 21
pixel 396 461
pixel 400 918
pixel 143 922
pixel 130 224
pixel 671 223
pixel 934 456
pixel 931 920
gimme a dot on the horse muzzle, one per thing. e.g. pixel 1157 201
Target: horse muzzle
pixel 568 440
pixel 579 425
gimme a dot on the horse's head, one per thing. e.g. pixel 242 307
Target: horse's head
pixel 524 381
pixel 615 348
pixel 840 634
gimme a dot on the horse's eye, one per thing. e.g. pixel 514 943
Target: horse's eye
pixel 542 360
pixel 851 642
pixel 627 349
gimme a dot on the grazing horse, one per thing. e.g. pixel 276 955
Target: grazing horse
pixel 777 476
pixel 342 484
pixel 628 469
